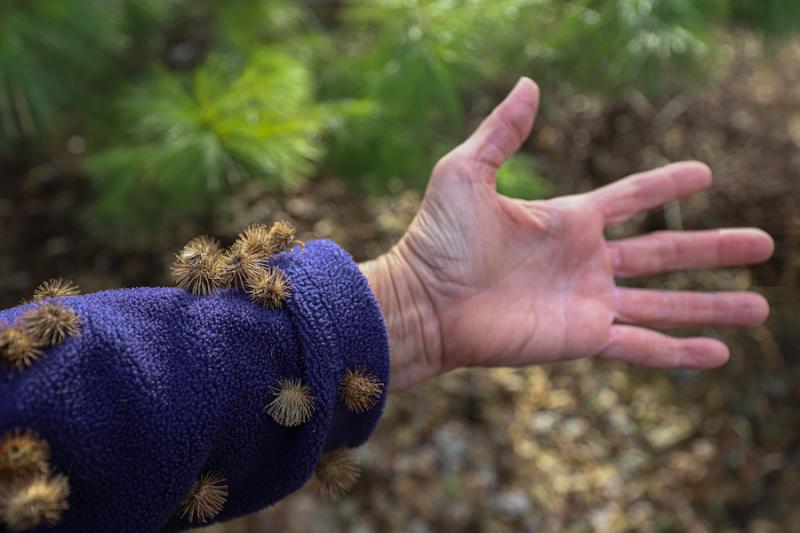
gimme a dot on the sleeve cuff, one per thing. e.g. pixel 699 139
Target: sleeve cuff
pixel 341 330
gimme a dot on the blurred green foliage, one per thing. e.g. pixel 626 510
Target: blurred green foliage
pixel 50 51
pixel 180 101
pixel 614 45
pixel 518 178
pixel 774 19
pixel 187 137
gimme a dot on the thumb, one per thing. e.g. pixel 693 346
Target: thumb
pixel 504 130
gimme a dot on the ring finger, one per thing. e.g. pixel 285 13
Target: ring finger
pixel 657 308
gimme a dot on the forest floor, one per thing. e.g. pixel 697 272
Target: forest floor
pixel 585 446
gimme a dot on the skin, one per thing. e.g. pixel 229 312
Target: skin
pixel 480 279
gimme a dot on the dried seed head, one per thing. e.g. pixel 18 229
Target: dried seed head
pixel 255 240
pixel 271 288
pixel 54 288
pixel 336 473
pixel 205 499
pixel 196 270
pixel 17 349
pixel 292 404
pixel 360 391
pixel 238 267
pixel 281 236
pixel 203 244
pixel 23 455
pixel 40 501
pixel 49 323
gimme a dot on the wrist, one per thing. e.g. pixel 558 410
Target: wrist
pixel 415 342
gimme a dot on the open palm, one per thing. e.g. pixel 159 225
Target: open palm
pixel 517 282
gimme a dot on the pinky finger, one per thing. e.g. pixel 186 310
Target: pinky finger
pixel 645 347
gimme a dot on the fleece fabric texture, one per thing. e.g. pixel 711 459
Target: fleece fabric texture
pixel 163 385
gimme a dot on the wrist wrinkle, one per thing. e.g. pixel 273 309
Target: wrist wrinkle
pixel 412 326
pixel 395 322
pixel 410 319
pixel 379 272
pixel 428 324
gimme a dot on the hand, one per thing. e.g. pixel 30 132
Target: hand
pixel 480 279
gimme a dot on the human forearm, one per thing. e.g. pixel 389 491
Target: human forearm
pixel 161 387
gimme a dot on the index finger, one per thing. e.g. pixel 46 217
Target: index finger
pixel 640 192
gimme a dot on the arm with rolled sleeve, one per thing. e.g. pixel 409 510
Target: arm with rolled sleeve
pixel 162 388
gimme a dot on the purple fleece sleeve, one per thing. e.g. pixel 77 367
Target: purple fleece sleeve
pixel 163 385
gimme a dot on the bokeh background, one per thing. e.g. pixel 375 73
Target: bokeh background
pixel 129 126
